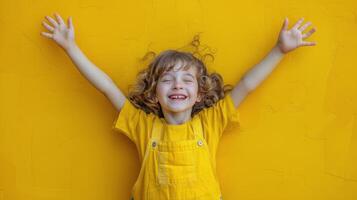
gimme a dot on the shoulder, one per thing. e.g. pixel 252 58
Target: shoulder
pixel 220 114
pixel 130 109
pixel 133 119
pixel 223 104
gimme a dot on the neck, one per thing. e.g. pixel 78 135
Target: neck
pixel 178 117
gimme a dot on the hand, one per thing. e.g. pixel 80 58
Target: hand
pixel 60 33
pixel 293 38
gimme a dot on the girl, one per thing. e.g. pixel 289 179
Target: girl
pixel 177 112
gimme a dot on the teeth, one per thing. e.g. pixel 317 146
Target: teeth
pixel 177 97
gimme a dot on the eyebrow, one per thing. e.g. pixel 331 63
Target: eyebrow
pixel 167 73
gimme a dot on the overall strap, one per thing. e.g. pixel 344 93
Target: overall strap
pixel 156 129
pixel 155 136
pixel 197 127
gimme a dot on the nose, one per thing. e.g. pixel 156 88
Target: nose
pixel 177 84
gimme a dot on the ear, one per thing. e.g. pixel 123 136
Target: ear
pixel 156 100
pixel 199 98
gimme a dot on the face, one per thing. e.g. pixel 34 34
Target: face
pixel 177 90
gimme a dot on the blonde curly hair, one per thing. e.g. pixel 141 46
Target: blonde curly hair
pixel 210 85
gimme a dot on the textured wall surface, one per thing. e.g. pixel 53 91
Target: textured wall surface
pixel 298 135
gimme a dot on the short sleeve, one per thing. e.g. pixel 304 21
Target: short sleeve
pixel 216 118
pixel 135 124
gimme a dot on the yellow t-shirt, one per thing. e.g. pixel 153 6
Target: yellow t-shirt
pixel 137 125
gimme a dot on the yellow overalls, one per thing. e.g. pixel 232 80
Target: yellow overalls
pixel 177 170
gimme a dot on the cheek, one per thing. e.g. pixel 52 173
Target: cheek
pixel 194 90
pixel 161 90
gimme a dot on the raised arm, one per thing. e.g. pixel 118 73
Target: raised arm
pixel 64 37
pixel 288 41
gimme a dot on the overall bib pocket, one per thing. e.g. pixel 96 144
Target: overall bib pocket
pixel 176 167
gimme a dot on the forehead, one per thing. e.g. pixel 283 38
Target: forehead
pixel 181 68
pixel 181 71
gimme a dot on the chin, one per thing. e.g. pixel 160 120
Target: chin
pixel 178 108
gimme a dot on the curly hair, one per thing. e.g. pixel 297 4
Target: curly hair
pixel 210 85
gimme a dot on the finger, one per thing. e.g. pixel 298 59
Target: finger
pixel 304 43
pixel 308 33
pixel 285 24
pixel 53 22
pixel 48 35
pixel 48 27
pixel 59 19
pixel 298 23
pixel 70 23
pixel 302 28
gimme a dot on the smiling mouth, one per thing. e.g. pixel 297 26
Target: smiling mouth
pixel 177 97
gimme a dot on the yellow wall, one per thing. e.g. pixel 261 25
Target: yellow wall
pixel 298 136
